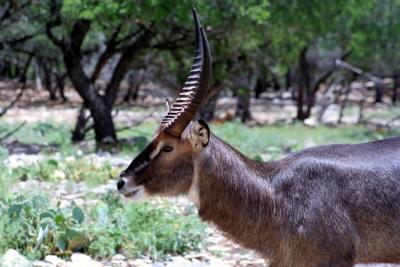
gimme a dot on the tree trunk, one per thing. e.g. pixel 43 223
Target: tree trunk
pixel 46 68
pixel 38 79
pixel 78 134
pixel 303 85
pixel 207 111
pixel 60 79
pixel 101 113
pixel 378 93
pixel 134 82
pixel 396 85
pixel 346 97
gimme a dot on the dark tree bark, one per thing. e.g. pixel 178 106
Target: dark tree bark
pixel 378 93
pixel 303 85
pixel 396 86
pixel 60 80
pixel 134 86
pixel 78 134
pixel 100 106
pixel 243 96
pixel 46 72
pixel 308 86
pixel 288 78
pixel 260 88
pixel 243 107
pixel 207 111
pixel 346 96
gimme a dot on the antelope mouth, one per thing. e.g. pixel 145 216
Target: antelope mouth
pixel 131 193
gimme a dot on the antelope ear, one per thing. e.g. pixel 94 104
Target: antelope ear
pixel 200 134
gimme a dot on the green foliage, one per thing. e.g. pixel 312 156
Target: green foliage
pixel 36 228
pixel 56 170
pixel 274 140
pixel 143 229
pixel 54 136
pixel 32 227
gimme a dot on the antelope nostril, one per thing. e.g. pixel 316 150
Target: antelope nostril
pixel 120 184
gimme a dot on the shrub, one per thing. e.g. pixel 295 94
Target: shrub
pixel 32 227
pixel 75 170
pixel 143 229
pixel 35 228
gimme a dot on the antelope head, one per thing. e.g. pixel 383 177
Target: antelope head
pixel 166 166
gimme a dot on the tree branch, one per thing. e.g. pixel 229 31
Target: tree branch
pixel 123 65
pixel 107 54
pixel 13 131
pixel 55 10
pixel 23 80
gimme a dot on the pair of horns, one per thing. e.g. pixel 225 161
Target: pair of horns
pixel 192 94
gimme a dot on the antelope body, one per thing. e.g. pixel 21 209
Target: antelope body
pixel 333 205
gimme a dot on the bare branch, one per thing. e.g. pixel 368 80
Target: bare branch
pixel 23 80
pixel 55 10
pixel 13 131
pixel 348 66
pixel 123 65
pixel 107 54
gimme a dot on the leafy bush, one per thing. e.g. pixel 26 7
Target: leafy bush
pixel 76 170
pixel 36 229
pixel 143 229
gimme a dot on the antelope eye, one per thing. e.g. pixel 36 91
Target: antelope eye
pixel 167 148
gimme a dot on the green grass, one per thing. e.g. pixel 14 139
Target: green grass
pixel 275 139
pixel 44 134
pixel 252 141
pixel 36 228
pixel 384 113
pixel 53 170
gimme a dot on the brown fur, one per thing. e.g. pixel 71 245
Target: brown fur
pixel 328 206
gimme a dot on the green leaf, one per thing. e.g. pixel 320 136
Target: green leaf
pixel 76 239
pixel 62 243
pixel 78 215
pixel 46 214
pixel 41 235
pixel 59 220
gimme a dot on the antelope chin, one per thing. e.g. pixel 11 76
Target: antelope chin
pixel 136 194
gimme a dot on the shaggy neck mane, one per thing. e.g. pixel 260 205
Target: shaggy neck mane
pixel 235 194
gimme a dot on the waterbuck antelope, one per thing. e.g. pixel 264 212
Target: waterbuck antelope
pixel 333 205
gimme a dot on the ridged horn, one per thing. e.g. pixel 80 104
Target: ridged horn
pixel 193 92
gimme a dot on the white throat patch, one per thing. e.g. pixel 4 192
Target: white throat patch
pixel 194 193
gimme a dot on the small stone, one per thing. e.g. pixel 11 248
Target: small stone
pixel 82 260
pixel 118 257
pixel 138 263
pixel 79 257
pixel 179 262
pixel 13 259
pixel 42 264
pixel 198 256
pixel 53 259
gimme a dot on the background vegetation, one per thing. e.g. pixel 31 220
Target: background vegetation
pixel 287 75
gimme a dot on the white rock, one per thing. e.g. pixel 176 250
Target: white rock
pixel 42 264
pixel 179 262
pixel 82 260
pixel 13 259
pixel 53 259
pixel 79 257
pixel 139 263
pixel 118 257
